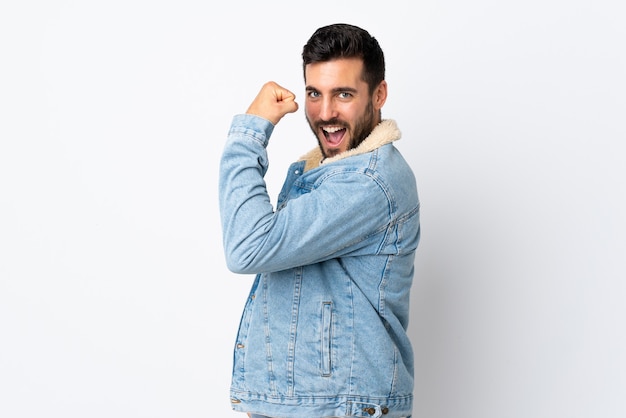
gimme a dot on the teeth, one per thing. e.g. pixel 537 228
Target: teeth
pixel 331 129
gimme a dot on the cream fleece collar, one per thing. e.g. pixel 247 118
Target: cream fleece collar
pixel 384 133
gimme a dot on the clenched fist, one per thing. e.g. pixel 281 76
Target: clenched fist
pixel 273 102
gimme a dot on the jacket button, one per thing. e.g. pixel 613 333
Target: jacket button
pixel 385 410
pixel 370 411
pixel 240 345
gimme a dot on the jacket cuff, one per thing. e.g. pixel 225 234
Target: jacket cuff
pixel 255 126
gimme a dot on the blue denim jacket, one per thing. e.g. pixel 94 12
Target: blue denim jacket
pixel 323 332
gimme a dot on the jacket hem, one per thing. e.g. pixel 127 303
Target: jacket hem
pixel 322 406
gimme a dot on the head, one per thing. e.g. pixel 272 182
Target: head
pixel 344 74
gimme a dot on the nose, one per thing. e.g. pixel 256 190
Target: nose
pixel 327 109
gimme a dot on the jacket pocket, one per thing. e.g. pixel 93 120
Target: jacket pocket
pixel 327 312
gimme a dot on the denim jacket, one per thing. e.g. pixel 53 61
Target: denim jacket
pixel 323 332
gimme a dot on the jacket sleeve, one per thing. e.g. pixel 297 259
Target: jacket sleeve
pixel 346 213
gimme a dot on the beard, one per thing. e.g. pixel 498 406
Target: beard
pixel 363 126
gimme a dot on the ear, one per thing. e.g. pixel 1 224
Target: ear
pixel 380 95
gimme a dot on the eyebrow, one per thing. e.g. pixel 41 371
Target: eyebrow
pixel 335 90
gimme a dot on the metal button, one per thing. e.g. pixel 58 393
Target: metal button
pixel 370 410
pixel 296 172
pixel 240 345
pixel 385 410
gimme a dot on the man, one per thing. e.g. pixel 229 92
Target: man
pixel 323 333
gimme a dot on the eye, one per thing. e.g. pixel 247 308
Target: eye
pixel 313 94
pixel 344 95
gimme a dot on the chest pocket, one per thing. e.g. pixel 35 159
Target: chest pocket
pixel 293 188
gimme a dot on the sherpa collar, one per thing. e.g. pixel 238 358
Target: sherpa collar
pixel 384 133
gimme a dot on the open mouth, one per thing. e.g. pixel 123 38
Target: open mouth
pixel 334 135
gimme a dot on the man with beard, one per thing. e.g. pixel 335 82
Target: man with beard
pixel 323 332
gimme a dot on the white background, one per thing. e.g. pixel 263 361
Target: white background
pixel 114 297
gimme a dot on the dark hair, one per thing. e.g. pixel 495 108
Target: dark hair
pixel 342 40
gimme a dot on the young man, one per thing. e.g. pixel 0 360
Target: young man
pixel 323 333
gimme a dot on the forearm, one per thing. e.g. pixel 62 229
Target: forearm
pixel 245 206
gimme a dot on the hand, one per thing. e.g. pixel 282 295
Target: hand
pixel 273 102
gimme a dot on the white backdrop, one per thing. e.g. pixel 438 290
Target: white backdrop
pixel 114 297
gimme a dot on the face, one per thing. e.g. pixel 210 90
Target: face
pixel 339 108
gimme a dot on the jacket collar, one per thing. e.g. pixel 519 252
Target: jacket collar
pixel 384 133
